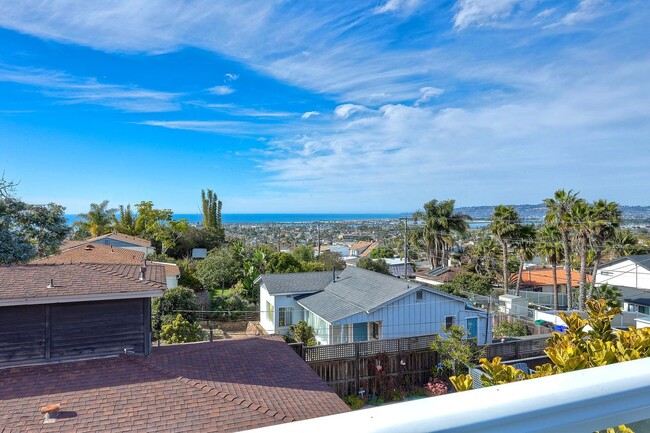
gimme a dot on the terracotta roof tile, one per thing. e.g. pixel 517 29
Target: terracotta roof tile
pixel 80 279
pixel 544 277
pixel 205 387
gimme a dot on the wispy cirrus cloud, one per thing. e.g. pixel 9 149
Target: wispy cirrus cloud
pixel 346 110
pixel 77 90
pixel 482 12
pixel 231 77
pixel 428 93
pixel 397 6
pixel 585 11
pixel 308 114
pixel 221 90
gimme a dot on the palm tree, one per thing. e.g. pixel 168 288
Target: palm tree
pixel 484 254
pixel 550 246
pixel 439 223
pixel 99 219
pixel 606 218
pixel 558 213
pixel 623 243
pixel 581 220
pixel 524 247
pixel 504 226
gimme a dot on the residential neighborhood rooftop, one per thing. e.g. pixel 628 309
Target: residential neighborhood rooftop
pixel 223 386
pixel 544 277
pixel 300 282
pixel 122 237
pixel 36 283
pixel 89 252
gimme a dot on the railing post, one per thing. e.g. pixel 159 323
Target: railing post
pixel 357 366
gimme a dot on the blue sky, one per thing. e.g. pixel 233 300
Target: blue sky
pixel 321 106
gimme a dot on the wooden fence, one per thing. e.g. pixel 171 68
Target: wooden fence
pixel 533 329
pixel 348 368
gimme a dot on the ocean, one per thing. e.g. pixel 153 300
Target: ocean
pixel 260 218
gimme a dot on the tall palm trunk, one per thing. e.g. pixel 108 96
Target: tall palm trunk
pixel 567 266
pixel 556 292
pixel 504 246
pixel 599 254
pixel 583 275
pixel 521 270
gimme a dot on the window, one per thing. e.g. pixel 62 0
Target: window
pixel 419 295
pixel 643 310
pixel 449 320
pixel 269 312
pixel 285 316
pixel 472 327
pixel 375 328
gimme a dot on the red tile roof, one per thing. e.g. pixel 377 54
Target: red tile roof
pixel 89 252
pixel 205 387
pixel 30 282
pixel 544 277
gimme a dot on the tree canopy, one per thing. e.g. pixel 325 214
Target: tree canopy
pixel 378 265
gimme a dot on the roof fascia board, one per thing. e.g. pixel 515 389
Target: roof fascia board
pixel 80 298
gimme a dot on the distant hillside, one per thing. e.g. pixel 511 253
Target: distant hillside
pixel 536 212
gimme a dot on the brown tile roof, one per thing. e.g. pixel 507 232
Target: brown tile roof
pixel 544 277
pixel 360 245
pixel 368 250
pixel 89 252
pixel 444 277
pixel 24 282
pixel 170 268
pixel 224 386
pixel 124 238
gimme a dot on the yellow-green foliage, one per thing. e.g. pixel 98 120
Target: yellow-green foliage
pixel 181 331
pixel 575 349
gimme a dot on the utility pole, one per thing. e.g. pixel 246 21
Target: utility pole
pixel 406 247
pixel 318 229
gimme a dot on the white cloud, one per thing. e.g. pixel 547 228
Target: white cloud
pixel 587 10
pixel 231 77
pixel 309 114
pixel 221 90
pixel 346 110
pixel 397 6
pixel 428 93
pixel 76 90
pixel 482 12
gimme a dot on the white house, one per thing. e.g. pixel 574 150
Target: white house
pixel 359 305
pixel 629 271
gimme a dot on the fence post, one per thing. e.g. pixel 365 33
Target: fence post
pixel 357 366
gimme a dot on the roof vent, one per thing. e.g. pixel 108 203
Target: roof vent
pixel 89 247
pixel 51 411
pixel 51 285
pixel 143 272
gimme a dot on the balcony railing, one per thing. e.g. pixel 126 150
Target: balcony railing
pixel 580 401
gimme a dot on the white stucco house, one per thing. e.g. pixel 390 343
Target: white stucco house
pixel 628 271
pixel 359 305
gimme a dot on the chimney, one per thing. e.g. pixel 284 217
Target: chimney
pixel 143 272
pixel 51 285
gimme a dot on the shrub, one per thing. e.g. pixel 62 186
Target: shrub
pixel 510 329
pixel 181 331
pixel 301 332
pixel 354 401
pixel 436 387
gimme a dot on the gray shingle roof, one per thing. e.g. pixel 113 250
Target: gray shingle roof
pixel 634 295
pixel 301 282
pixel 356 290
pixel 642 260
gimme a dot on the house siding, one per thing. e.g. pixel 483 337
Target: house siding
pixel 407 317
pixel 626 273
pixel 59 331
pixel 280 301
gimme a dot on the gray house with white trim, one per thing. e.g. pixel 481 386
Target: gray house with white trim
pixel 359 305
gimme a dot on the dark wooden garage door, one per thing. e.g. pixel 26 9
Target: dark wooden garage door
pixel 22 333
pixel 97 328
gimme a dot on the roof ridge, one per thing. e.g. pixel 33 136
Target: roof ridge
pixel 115 273
pixel 213 391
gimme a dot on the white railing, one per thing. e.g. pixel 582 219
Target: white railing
pixel 580 401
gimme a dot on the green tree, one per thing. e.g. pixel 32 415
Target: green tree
pixel 472 283
pixel 377 265
pixel 505 226
pixel 331 260
pixel 282 263
pixel 558 213
pixel 581 217
pixel 221 268
pixel 457 353
pixel 483 257
pixel 126 222
pixel 313 267
pixel 180 330
pixel 611 295
pixel 211 207
pixel 28 231
pixel 524 247
pixel 158 225
pixel 98 220
pixel 510 329
pixel 301 332
pixel 382 252
pixel 304 253
pixel 440 221
pixel 550 246
pixel 178 300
